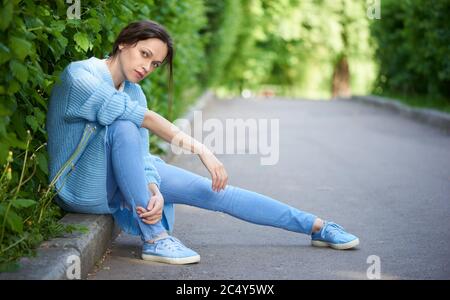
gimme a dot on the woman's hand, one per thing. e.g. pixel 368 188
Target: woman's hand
pixel 216 169
pixel 153 213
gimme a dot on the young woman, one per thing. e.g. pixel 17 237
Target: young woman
pixel 98 140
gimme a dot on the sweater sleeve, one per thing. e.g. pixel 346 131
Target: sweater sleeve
pixel 95 100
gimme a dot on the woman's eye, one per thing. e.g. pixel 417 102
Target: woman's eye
pixel 145 54
pixel 155 65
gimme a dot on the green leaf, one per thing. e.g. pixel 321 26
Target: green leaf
pixel 40 116
pixel 20 47
pixel 94 24
pixel 42 163
pixel 6 109
pixel 4 149
pixel 5 53
pixel 71 228
pixel 12 140
pixel 23 203
pixel 19 70
pixel 43 11
pixel 15 221
pixel 82 40
pixel 6 15
pixel 58 26
pixel 31 120
pixel 3 152
pixel 62 41
pixel 2 209
pixel 13 87
pixel 9 266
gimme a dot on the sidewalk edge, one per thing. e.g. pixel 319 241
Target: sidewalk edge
pixel 425 115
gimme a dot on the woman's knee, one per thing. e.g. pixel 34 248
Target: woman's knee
pixel 124 129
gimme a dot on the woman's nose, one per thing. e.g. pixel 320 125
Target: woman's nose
pixel 147 68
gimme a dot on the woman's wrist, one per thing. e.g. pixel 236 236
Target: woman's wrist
pixel 201 149
pixel 153 187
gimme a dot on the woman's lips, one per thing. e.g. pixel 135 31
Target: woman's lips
pixel 139 74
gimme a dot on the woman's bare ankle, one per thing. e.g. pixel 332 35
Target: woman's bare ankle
pixel 162 235
pixel 318 224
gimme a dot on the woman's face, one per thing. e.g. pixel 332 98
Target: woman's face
pixel 136 62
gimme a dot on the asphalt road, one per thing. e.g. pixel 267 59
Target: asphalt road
pixel 382 176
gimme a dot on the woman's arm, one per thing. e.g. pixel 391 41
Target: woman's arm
pixel 172 134
pixel 95 100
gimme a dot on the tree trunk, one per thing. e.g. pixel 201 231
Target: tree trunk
pixel 341 79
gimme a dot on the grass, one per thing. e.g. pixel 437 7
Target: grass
pixel 440 104
pixel 28 216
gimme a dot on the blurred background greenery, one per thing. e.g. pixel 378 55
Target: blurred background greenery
pixel 317 49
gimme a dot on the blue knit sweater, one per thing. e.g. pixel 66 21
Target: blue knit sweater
pixel 81 107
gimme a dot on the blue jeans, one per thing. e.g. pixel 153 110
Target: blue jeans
pixel 127 188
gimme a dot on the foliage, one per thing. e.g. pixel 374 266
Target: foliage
pixel 413 48
pixel 293 45
pixel 24 220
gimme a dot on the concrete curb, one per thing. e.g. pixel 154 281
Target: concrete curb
pixel 429 116
pixel 56 259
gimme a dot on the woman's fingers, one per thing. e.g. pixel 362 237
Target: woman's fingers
pixel 224 178
pixel 219 176
pixel 158 206
pixel 220 179
pixel 151 203
pixel 155 210
pixel 148 217
pixel 143 213
pixel 140 210
pixel 152 220
pixel 214 180
pixel 149 214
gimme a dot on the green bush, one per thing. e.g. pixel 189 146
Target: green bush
pixel 27 217
pixel 287 45
pixel 413 48
pixel 222 30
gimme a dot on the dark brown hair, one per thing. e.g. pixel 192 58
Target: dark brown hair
pixel 146 29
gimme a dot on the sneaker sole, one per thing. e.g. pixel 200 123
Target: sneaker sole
pixel 345 246
pixel 172 261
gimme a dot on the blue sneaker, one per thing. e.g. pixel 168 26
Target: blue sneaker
pixel 169 250
pixel 334 236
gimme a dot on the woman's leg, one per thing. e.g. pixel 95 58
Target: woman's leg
pixel 127 187
pixel 184 187
pixel 126 183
